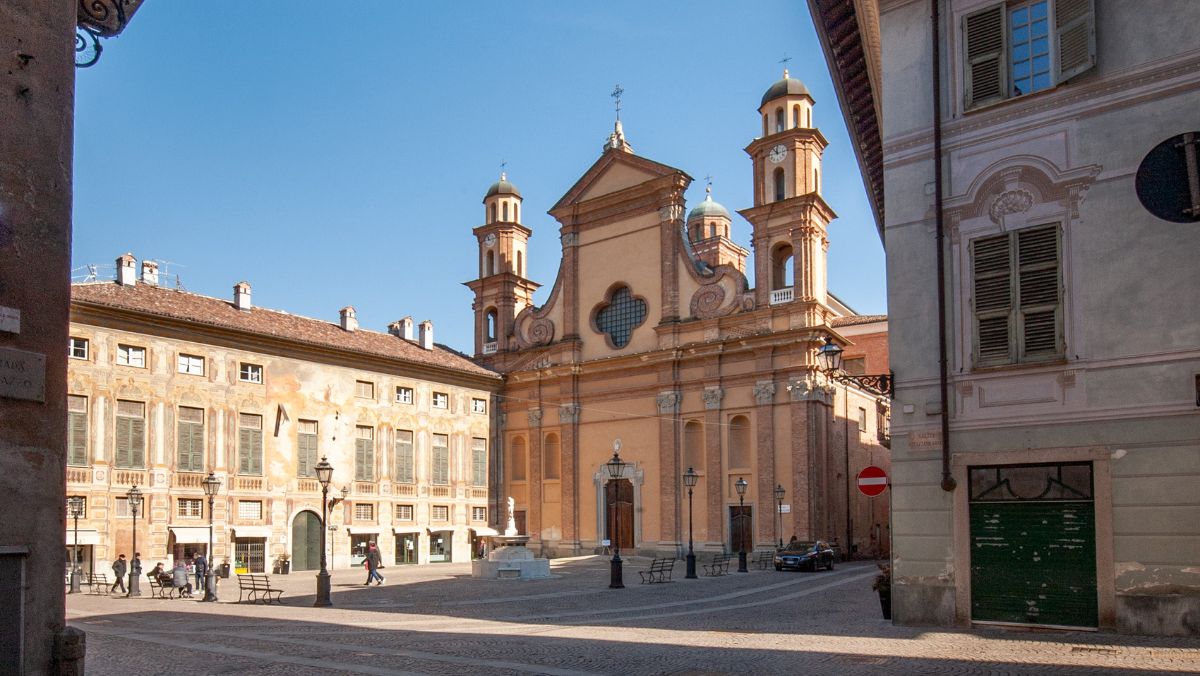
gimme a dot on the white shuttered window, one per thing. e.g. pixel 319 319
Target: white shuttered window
pixel 1018 296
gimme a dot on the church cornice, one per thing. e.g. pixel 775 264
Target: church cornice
pixel 501 226
pixel 799 206
pixel 798 136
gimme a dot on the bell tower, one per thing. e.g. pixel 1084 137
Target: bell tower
pixel 789 215
pixel 502 290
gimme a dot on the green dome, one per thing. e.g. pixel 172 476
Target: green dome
pixel 502 187
pixel 708 208
pixel 786 87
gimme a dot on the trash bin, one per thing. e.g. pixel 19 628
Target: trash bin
pixel 225 570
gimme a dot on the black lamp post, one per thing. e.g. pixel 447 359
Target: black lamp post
pixel 689 479
pixel 134 496
pixel 829 358
pixel 211 485
pixel 616 469
pixel 740 485
pixel 780 491
pixel 324 475
pixel 75 505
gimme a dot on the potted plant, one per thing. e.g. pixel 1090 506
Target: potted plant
pixel 883 585
pixel 282 564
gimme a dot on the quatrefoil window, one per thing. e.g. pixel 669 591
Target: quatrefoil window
pixel 619 316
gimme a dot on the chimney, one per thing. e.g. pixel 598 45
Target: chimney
pixel 402 328
pixel 126 270
pixel 427 334
pixel 241 296
pixel 150 273
pixel 349 319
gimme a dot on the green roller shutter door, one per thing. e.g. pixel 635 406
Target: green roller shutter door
pixel 1034 562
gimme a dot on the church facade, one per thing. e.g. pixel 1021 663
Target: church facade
pixel 658 341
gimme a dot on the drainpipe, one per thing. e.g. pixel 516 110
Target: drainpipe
pixel 948 483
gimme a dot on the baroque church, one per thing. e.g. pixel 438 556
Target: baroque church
pixel 656 341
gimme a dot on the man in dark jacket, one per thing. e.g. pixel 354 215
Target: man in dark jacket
pixel 374 563
pixel 201 565
pixel 119 568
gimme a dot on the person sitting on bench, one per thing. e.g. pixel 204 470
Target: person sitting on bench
pixel 180 580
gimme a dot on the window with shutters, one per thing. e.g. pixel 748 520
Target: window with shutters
pixel 191 364
pixel 189 508
pixel 250 373
pixel 78 348
pixel 1017 298
pixel 364 389
pixel 1011 49
pixel 404 512
pixel 131 355
pixel 130 431
pixel 364 453
pixel 306 448
pixel 479 462
pixel 250 510
pixel 190 442
pixel 404 395
pixel 77 430
pixel 250 448
pixel 364 511
pixel 441 460
pixel 405 460
pixel 440 513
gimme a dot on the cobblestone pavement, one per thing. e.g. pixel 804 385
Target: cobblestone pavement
pixel 438 620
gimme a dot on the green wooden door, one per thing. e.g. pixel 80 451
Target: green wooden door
pixel 1034 563
pixel 1033 544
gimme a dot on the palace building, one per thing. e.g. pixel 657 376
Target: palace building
pixel 166 386
pixel 657 333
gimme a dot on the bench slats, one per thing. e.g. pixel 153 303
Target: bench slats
pixel 660 571
pixel 257 588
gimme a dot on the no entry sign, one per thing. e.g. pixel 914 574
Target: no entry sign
pixel 872 481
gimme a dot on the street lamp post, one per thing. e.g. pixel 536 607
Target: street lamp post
pixel 324 475
pixel 75 504
pixel 616 469
pixel 134 496
pixel 780 491
pixel 689 479
pixel 740 485
pixel 211 485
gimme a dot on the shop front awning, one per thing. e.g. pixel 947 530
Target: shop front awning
pixel 251 531
pixel 87 536
pixel 190 535
pixel 407 529
pixel 364 530
pixel 481 531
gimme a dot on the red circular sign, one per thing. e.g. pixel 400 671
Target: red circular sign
pixel 872 481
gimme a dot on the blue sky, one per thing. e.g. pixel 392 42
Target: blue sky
pixel 337 154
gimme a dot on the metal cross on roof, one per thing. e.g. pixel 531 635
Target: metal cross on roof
pixel 616 94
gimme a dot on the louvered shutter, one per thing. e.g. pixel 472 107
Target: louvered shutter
pixel 993 300
pixel 77 439
pixel 184 444
pixel 984 65
pixel 404 457
pixel 306 454
pixel 256 459
pixel 441 461
pixel 245 441
pixel 479 463
pixel 137 442
pixel 123 444
pixel 1075 33
pixel 364 460
pixel 1039 289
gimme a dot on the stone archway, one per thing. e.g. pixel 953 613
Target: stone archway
pixel 306 541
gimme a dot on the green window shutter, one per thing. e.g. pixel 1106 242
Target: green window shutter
pixel 1040 291
pixel 1075 34
pixel 306 454
pixel 985 64
pixel 364 460
pixel 137 442
pixel 77 439
pixel 183 443
pixel 123 444
pixel 441 463
pixel 244 451
pixel 256 455
pixel 404 458
pixel 992 299
pixel 479 463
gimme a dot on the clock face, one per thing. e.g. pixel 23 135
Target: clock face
pixel 778 153
pixel 490 239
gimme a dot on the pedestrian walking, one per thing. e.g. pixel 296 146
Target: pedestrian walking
pixel 374 563
pixel 201 565
pixel 119 568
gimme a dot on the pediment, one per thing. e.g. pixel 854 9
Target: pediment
pixel 616 170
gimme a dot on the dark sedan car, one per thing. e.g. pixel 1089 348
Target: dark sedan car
pixel 805 556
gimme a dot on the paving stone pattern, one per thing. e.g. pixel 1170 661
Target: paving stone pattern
pixel 438 620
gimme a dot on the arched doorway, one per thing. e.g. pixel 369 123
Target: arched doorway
pixel 618 506
pixel 306 541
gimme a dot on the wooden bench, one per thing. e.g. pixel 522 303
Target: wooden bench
pixel 765 558
pixel 158 589
pixel 98 584
pixel 660 571
pixel 718 566
pixel 257 588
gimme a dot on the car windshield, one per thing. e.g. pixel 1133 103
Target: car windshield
pixel 795 547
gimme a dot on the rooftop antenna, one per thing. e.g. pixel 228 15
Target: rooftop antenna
pixel 784 61
pixel 91 268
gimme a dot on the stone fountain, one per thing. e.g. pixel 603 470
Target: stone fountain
pixel 508 558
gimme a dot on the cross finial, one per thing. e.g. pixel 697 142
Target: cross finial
pixel 708 188
pixel 784 61
pixel 503 164
pixel 616 94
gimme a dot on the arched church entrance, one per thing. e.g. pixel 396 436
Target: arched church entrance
pixel 306 541
pixel 618 503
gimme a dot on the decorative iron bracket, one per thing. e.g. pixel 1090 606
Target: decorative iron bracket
pixel 880 384
pixel 99 19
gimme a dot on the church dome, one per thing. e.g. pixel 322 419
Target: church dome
pixel 708 208
pixel 502 187
pixel 785 87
